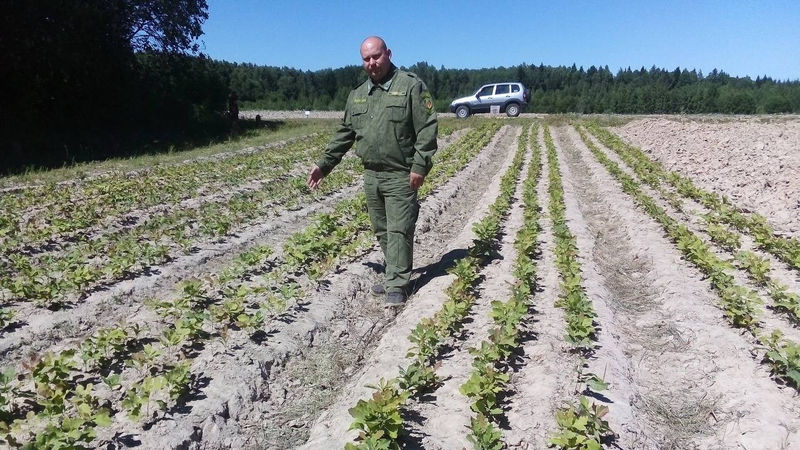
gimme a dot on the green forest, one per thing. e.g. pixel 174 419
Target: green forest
pixel 91 79
pixel 555 89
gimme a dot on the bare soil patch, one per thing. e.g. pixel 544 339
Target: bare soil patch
pixel 753 160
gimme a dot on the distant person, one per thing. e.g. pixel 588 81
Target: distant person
pixel 392 119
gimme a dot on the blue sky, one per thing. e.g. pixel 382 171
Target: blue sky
pixel 743 38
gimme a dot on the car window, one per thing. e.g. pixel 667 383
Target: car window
pixel 502 89
pixel 487 90
pixel 514 88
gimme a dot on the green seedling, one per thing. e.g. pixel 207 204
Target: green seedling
pixel 581 426
pixel 379 417
pixel 483 434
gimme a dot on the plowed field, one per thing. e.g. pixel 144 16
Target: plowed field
pixel 218 303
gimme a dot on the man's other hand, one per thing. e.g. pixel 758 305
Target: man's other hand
pixel 416 180
pixel 315 177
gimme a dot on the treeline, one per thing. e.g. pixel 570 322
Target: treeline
pixel 92 79
pixel 555 89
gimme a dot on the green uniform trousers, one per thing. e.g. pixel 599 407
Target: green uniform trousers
pixel 393 211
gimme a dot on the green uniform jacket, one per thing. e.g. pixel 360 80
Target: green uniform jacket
pixel 393 125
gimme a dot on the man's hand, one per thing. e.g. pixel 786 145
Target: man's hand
pixel 315 177
pixel 416 180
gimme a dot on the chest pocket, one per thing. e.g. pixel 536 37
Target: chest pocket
pixel 396 107
pixel 358 113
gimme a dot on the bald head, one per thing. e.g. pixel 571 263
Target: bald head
pixel 376 58
pixel 374 41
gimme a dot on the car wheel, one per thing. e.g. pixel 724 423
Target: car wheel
pixel 512 109
pixel 462 112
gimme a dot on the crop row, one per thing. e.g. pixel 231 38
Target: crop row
pixel 83 265
pixel 379 419
pixel 722 214
pixel 581 425
pixel 741 305
pixel 49 279
pixel 61 402
pixel 145 374
pixel 786 249
pixel 492 358
pixel 45 214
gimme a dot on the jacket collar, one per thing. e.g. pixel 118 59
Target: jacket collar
pixel 385 83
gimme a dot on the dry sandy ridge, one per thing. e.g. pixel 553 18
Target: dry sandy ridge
pixel 753 160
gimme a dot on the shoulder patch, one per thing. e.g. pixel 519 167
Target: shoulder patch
pixel 427 100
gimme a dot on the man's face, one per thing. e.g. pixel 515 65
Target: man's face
pixel 376 59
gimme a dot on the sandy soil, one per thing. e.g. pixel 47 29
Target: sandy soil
pixel 680 376
pixel 753 160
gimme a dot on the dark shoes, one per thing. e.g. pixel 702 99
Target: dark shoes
pixel 395 298
pixel 377 290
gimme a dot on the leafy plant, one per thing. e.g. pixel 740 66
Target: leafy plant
pixel 487 353
pixel 105 345
pixel 741 306
pixel 426 340
pixel 485 231
pixel 723 237
pixel 784 356
pixel 145 358
pixel 581 426
pixel 783 299
pixel 228 311
pixel 379 419
pixel 483 434
pixel 251 321
pixel 449 319
pixel 53 373
pixel 483 387
pixel 757 267
pixel 466 272
pixel 509 313
pixel 10 391
pixel 418 378
pixel 6 316
pixel 175 336
pixel 178 380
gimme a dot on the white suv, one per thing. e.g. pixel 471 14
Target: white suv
pixel 511 97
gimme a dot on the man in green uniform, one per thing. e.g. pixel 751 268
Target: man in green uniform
pixel 390 118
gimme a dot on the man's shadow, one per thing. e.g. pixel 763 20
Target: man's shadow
pixel 429 272
pixel 437 269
